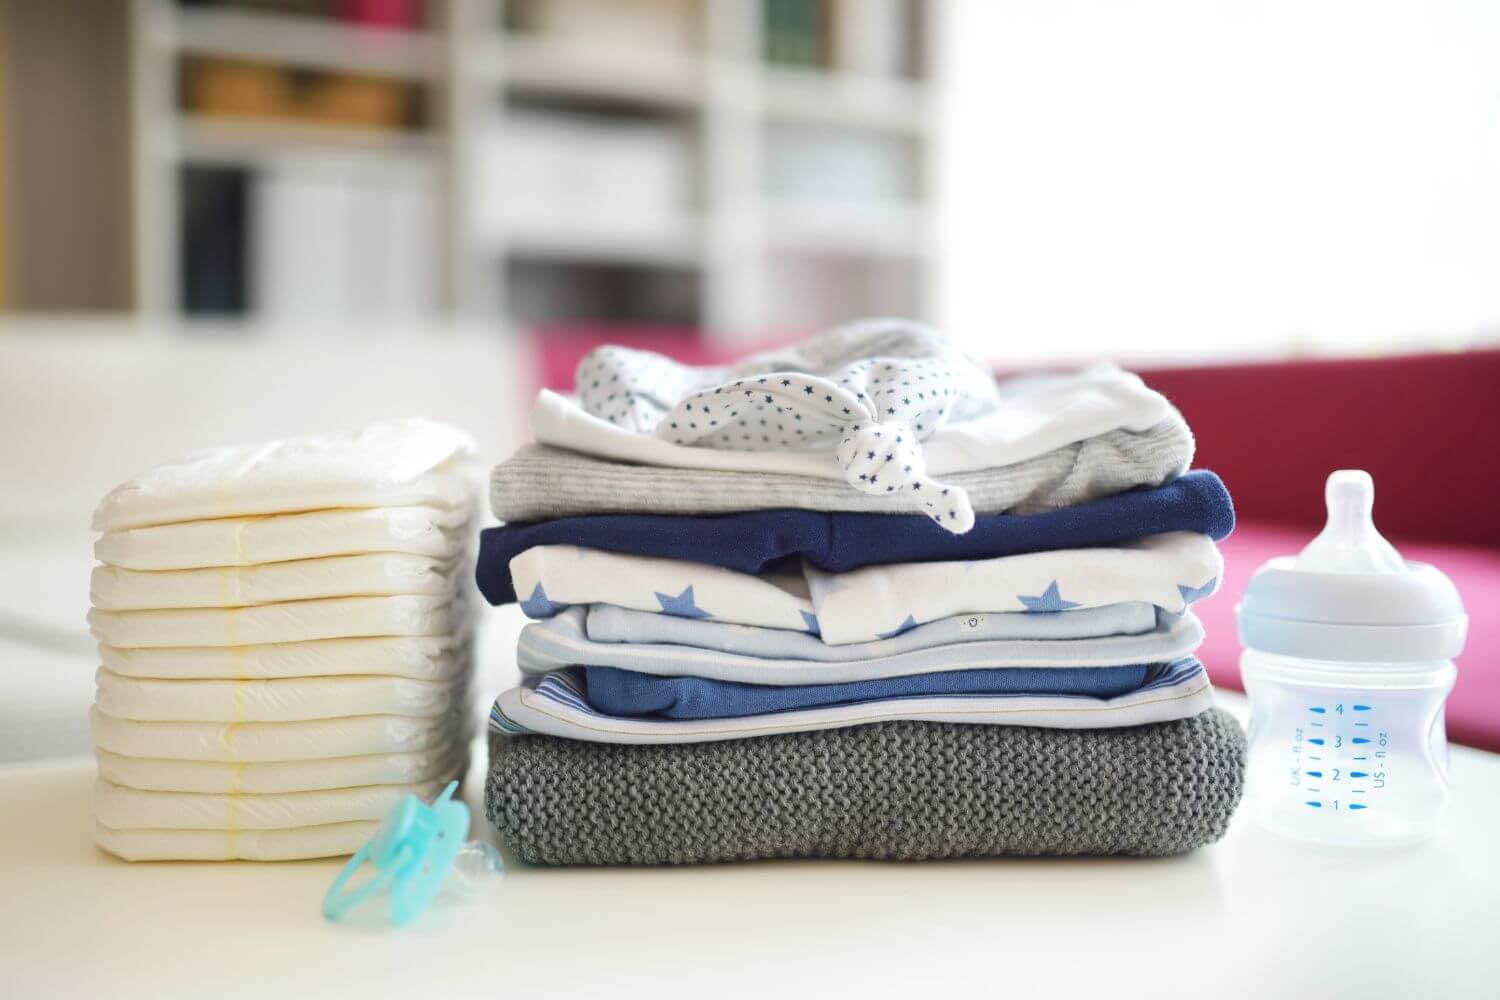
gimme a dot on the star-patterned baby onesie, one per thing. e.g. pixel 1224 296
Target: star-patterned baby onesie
pixel 870 392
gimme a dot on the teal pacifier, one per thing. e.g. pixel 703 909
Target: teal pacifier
pixel 412 853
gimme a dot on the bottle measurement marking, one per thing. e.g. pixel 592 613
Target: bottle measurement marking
pixel 1303 742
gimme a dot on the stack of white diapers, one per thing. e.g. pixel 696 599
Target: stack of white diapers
pixel 283 643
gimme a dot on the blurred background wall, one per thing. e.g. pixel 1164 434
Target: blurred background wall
pixel 65 197
pixel 1047 179
pixel 228 220
pixel 721 165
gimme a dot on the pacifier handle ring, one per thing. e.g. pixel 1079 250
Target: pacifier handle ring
pixel 416 846
pixel 336 902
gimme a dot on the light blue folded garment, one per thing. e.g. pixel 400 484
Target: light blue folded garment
pixel 563 641
pixel 609 623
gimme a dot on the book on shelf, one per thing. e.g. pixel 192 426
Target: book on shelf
pixel 671 25
pixel 243 89
pixel 797 32
pixel 310 241
pixel 844 166
pixel 400 14
pixel 542 293
pixel 213 275
pixel 346 241
pixel 584 172
pixel 877 37
pixel 874 37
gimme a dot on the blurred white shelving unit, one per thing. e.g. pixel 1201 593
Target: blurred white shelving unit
pixel 729 240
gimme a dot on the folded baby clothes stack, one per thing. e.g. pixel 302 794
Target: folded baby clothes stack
pixel 855 599
pixel 283 643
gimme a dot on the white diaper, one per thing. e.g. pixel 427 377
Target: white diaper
pixel 122 808
pixel 245 541
pixel 156 774
pixel 370 575
pixel 291 699
pixel 296 621
pixel 328 841
pixel 277 741
pixel 283 633
pixel 395 463
pixel 428 657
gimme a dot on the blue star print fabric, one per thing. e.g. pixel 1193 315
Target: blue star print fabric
pixel 756 541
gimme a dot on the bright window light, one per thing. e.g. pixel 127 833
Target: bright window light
pixel 1190 179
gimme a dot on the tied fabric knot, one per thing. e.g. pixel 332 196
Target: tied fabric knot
pixel 854 390
pixel 885 459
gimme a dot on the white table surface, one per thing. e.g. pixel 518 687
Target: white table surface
pixel 1251 916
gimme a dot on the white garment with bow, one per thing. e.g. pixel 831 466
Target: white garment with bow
pixel 870 392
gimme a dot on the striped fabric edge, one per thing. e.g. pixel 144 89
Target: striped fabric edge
pixel 557 705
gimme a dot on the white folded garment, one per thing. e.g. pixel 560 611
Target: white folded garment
pixel 371 575
pixel 162 775
pixel 876 602
pixel 394 463
pixel 122 808
pixel 1035 415
pixel 328 841
pixel 294 621
pixel 245 541
pixel 291 699
pixel 1170 571
pixel 427 657
pixel 317 739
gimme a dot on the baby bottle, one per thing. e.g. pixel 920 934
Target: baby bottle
pixel 1348 660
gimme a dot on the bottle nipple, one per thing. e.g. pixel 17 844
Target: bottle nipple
pixel 1349 542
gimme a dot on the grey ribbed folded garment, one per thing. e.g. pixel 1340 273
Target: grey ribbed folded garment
pixel 539 482
pixel 894 790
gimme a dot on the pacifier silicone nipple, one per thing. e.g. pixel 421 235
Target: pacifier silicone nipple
pixel 1349 542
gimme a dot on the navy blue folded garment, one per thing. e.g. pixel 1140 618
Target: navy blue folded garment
pixel 627 693
pixel 753 541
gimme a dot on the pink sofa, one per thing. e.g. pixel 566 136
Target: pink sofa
pixel 1426 427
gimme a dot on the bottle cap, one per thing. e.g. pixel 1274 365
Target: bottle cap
pixel 1349 596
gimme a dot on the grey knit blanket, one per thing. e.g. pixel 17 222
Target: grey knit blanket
pixel 894 790
pixel 539 482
